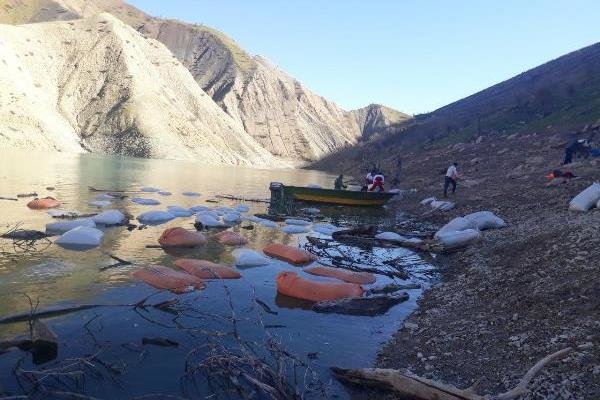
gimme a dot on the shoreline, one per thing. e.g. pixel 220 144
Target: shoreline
pixel 517 295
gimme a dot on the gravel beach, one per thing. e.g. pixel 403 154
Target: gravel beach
pixel 521 292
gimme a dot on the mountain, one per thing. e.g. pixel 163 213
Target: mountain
pixel 98 85
pixel 278 111
pixel 376 120
pixel 560 96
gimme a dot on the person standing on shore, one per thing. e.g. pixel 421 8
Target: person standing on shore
pixel 450 178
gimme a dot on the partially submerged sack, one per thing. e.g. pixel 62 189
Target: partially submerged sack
pixel 290 254
pixel 180 237
pixel 208 220
pixel 179 211
pixel 249 258
pixel 342 274
pixel 65 226
pixel 191 194
pixel 165 278
pixel 42 204
pixel 293 229
pixel 99 203
pixel 207 270
pixel 325 229
pixel 486 220
pixel 586 199
pixel 456 239
pixel 149 189
pixel 242 208
pixel 300 222
pixel 290 284
pixel 155 217
pixel 267 223
pixel 104 196
pixel 232 218
pixel 81 238
pixel 146 202
pixel 110 217
pixel 230 238
pixel 390 236
pixel 199 208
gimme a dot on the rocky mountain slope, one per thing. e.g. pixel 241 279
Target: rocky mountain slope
pixel 376 120
pixel 562 95
pixel 97 85
pixel 278 111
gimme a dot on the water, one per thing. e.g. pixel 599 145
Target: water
pixel 122 367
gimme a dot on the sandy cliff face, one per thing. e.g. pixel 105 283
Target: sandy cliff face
pixel 96 84
pixel 376 119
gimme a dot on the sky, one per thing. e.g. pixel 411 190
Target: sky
pixel 414 56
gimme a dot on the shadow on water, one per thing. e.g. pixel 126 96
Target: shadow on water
pixel 104 347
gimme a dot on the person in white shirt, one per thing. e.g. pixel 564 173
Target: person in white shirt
pixel 450 178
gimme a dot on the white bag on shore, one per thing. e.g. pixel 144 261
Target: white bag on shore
pixel 300 222
pixel 456 239
pixel 427 201
pixel 456 225
pixel 586 199
pixel 486 220
pixel 155 217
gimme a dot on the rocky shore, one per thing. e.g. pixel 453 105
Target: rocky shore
pixel 521 292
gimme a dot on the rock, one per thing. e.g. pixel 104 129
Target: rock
pixel 368 306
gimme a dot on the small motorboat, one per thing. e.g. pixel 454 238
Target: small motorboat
pixel 283 192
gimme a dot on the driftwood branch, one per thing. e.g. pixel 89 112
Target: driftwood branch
pixel 413 386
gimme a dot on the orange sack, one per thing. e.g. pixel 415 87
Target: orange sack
pixel 42 204
pixel 230 238
pixel 290 284
pixel 165 278
pixel 180 237
pixel 290 254
pixel 207 270
pixel 342 274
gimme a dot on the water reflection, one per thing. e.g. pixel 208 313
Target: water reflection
pixel 58 276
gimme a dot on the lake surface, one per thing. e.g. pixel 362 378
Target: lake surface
pixel 217 320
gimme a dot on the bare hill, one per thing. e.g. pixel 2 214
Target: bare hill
pixel 98 85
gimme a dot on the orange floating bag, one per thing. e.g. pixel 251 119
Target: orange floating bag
pixel 180 237
pixel 43 204
pixel 290 254
pixel 207 270
pixel 290 284
pixel 165 278
pixel 342 274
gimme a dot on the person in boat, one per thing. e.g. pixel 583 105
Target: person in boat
pixel 450 179
pixel 339 183
pixel 378 180
pixel 369 180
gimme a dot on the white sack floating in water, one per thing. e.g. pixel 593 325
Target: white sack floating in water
pixel 146 202
pixel 149 189
pixel 249 258
pixel 110 217
pixel 191 194
pixel 242 208
pixel 104 196
pixel 81 238
pixel 199 208
pixel 99 203
pixel 162 193
pixel 208 220
pixel 179 211
pixel 301 222
pixel 390 236
pixel 155 217
pixel 232 217
pixel 294 229
pixel 65 226
pixel 267 223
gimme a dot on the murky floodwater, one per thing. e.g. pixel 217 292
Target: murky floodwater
pixel 122 367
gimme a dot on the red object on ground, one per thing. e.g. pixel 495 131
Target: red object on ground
pixel 165 278
pixel 290 284
pixel 230 238
pixel 43 204
pixel 290 254
pixel 342 274
pixel 180 237
pixel 207 270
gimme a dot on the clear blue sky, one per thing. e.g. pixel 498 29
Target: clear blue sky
pixel 414 56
